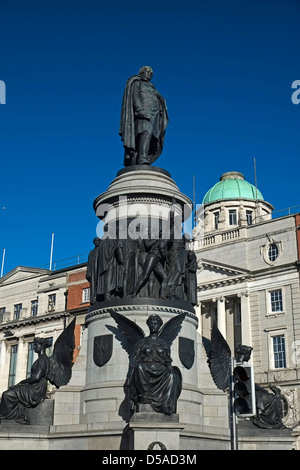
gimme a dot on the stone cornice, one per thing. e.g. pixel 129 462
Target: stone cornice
pixel 224 282
pixel 223 267
pixel 33 320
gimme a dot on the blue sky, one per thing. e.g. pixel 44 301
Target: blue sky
pixel 225 68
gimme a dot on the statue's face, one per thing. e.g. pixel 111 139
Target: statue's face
pixel 37 346
pixel 154 324
pixel 147 73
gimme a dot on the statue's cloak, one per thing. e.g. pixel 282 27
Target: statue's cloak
pixel 127 127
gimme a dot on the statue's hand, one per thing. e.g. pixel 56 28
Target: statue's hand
pixel 142 116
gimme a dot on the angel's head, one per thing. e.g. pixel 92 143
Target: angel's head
pixel 154 323
pixel 41 343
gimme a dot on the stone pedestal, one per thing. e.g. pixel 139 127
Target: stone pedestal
pixel 42 415
pixel 148 430
pixel 105 398
pixel 138 199
pixel 141 191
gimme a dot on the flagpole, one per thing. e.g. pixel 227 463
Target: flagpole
pixel 255 179
pixel 51 252
pixel 2 262
pixel 194 203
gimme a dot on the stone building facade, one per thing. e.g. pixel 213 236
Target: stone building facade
pixel 37 302
pixel 248 281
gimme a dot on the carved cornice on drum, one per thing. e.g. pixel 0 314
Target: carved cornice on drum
pixel 140 200
pixel 138 309
pixel 143 186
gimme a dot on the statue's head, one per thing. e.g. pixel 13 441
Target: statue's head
pixel 154 323
pixel 96 241
pixel 243 352
pixel 146 72
pixel 42 343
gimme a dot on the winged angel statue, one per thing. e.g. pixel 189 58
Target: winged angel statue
pixel 151 378
pixel 268 405
pixel 57 369
pixel 219 357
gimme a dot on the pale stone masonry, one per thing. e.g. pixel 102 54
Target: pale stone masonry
pixel 248 281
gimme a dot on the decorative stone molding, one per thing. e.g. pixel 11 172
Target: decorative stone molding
pixel 264 250
pixel 221 299
pixel 139 308
pixel 243 294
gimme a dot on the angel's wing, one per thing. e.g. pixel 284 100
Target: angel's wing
pixel 128 332
pixel 219 355
pixel 171 328
pixel 61 361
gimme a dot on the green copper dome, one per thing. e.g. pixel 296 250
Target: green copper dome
pixel 232 185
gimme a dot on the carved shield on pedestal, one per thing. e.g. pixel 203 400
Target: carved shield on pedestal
pixel 186 351
pixel 103 348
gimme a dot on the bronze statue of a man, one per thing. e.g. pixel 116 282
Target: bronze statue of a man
pixel 144 119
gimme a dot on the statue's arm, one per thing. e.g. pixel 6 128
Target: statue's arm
pixel 136 97
pixel 193 266
pixel 163 250
pixel 89 268
pixel 119 255
pixel 88 273
pixel 149 243
pixel 138 108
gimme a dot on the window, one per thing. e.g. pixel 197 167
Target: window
pixel 51 302
pixel 17 311
pixel 237 324
pixel 279 351
pixel 276 300
pixel 249 217
pixel 30 359
pixel 86 295
pixel 2 312
pixel 13 365
pixel 34 308
pixel 232 217
pixel 273 252
pixel 216 217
